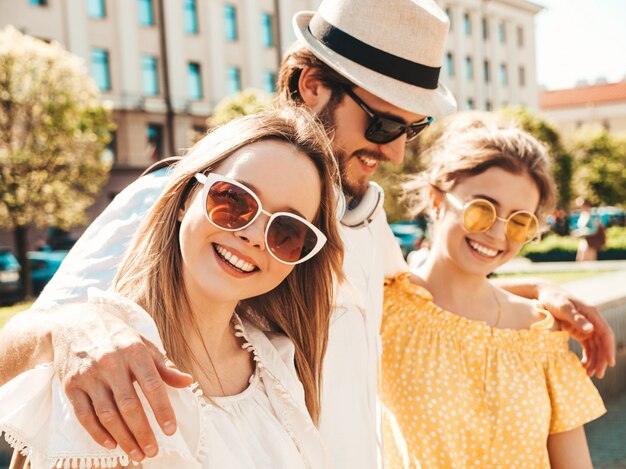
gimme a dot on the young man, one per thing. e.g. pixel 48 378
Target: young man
pixel 374 84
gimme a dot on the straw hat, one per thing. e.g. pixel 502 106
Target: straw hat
pixel 392 48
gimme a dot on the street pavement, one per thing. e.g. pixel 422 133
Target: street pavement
pixel 607 436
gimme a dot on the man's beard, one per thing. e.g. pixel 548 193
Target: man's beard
pixel 354 190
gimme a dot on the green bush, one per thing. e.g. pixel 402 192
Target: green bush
pixel 554 248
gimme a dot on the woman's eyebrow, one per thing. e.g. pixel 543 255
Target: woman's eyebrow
pixel 486 197
pixel 286 208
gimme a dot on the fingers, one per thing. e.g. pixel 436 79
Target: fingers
pixel 154 388
pixel 603 332
pixel 111 414
pixel 89 420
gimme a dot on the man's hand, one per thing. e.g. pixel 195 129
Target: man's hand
pixel 98 358
pixel 585 323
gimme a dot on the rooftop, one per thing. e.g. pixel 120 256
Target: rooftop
pixel 605 93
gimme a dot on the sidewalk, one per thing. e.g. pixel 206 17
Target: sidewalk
pixel 607 436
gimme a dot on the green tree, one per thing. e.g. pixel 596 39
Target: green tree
pixel 53 131
pixel 390 176
pixel 600 166
pixel 248 101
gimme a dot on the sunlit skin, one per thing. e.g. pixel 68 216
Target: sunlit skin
pixel 209 279
pixel 465 259
pixel 453 244
pixel 358 157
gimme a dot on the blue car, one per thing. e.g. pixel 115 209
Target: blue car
pixel 43 265
pixel 9 278
pixel 408 234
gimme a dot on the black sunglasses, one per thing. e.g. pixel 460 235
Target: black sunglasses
pixel 383 129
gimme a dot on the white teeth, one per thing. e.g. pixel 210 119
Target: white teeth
pixel 484 250
pixel 234 260
pixel 371 162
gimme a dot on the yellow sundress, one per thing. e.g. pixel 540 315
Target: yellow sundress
pixel 460 394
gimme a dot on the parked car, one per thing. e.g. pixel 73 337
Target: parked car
pixel 408 234
pixel 43 265
pixel 9 278
pixel 608 216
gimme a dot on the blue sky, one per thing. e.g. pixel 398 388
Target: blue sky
pixel 580 40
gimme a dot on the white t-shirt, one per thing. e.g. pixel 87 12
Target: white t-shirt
pixel 348 421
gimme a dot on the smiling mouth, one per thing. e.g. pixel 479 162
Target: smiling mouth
pixel 368 161
pixel 482 250
pixel 234 261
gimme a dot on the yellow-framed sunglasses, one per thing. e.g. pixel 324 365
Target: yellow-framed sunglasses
pixel 479 215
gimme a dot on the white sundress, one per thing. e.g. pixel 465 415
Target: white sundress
pixel 265 426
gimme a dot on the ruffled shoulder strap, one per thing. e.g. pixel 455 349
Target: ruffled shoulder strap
pixel 273 354
pixel 402 283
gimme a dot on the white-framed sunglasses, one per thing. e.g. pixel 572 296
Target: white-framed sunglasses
pixel 231 206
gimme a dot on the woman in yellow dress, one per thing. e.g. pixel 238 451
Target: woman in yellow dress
pixel 473 376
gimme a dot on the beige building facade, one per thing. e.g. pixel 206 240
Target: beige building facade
pixel 163 65
pixel 599 105
pixel 490 58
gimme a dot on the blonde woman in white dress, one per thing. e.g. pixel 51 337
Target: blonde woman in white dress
pixel 232 276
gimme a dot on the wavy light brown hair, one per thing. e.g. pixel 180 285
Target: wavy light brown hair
pixel 471 143
pixel 300 307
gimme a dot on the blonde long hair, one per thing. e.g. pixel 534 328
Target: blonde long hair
pixel 300 307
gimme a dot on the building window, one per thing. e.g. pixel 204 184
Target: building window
pixel 194 81
pixel 100 68
pixel 469 69
pixel 522 76
pixel 190 15
pixel 504 75
pixel 489 106
pixel 467 25
pixel 470 104
pixel 39 3
pixel 485 28
pixel 95 9
pixel 230 22
pixel 266 30
pixel 449 13
pixel 486 71
pixel 502 33
pixel 146 13
pixel 233 80
pixel 269 81
pixel 520 36
pixel 155 142
pixel 149 75
pixel 450 64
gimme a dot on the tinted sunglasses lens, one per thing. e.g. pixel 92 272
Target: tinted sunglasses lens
pixel 414 130
pixel 521 227
pixel 383 130
pixel 478 216
pixel 230 206
pixel 289 239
